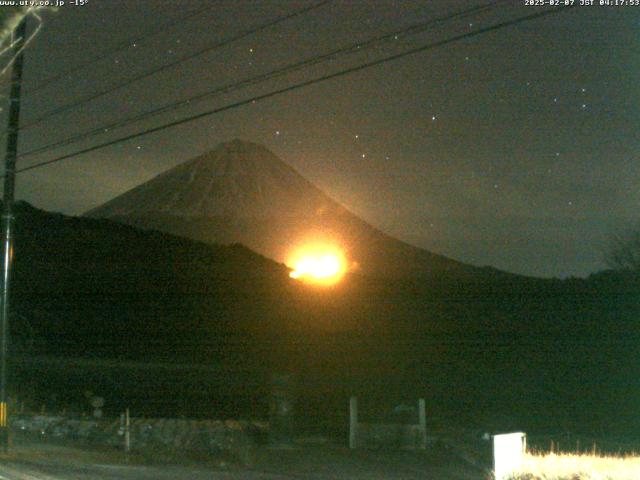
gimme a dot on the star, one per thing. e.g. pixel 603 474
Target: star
pixel 433 118
pixel 584 105
pixel 277 132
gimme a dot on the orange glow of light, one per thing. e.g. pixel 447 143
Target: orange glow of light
pixel 319 265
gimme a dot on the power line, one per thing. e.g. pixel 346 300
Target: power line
pixel 167 66
pixel 47 82
pixel 354 47
pixel 300 85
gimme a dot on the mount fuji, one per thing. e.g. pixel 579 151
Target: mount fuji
pixel 241 192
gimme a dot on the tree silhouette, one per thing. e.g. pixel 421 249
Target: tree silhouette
pixel 624 251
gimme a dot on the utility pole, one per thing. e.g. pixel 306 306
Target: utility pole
pixel 18 41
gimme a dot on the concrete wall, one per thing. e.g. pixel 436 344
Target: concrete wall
pixel 392 435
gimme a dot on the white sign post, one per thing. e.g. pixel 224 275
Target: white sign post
pixel 508 454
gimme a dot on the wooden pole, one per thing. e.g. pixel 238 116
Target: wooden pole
pixel 7 222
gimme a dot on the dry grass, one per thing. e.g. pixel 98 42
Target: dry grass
pixel 567 466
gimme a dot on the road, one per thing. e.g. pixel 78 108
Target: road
pixel 56 462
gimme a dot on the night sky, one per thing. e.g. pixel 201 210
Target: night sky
pixel 516 148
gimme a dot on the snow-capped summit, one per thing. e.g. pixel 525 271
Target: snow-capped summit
pixel 237 179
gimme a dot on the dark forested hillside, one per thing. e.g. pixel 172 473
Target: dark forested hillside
pixel 488 347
